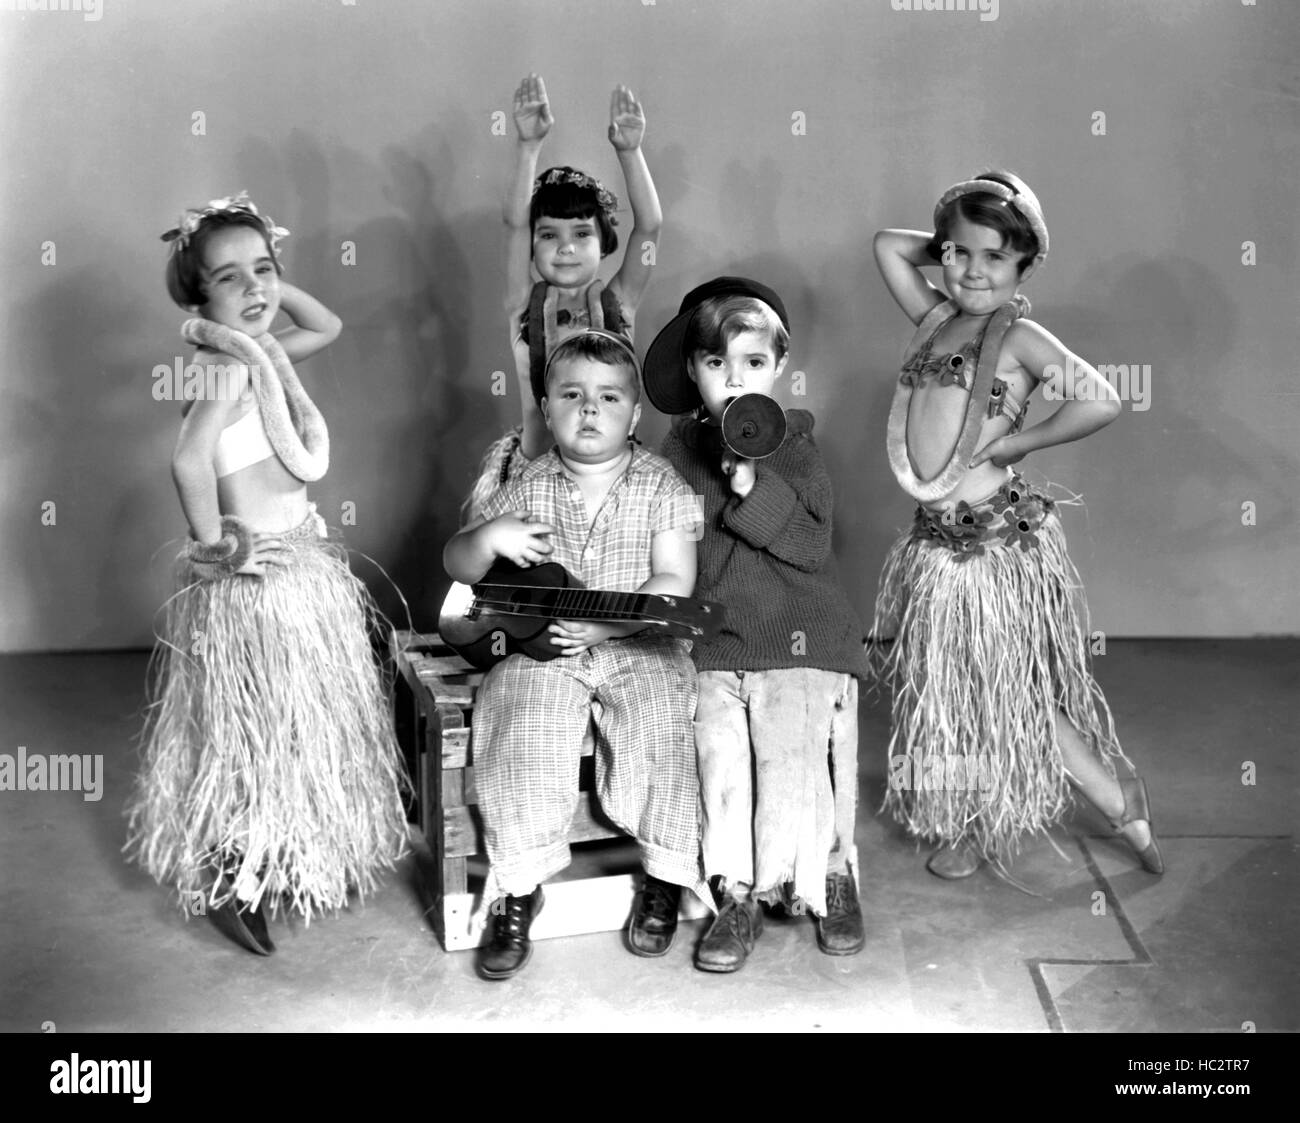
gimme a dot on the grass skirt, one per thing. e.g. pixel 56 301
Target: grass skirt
pixel 270 736
pixel 990 632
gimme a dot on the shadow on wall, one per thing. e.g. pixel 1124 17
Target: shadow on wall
pixel 84 406
pixel 1173 315
pixel 408 414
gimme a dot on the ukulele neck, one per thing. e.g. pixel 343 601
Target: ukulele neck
pixel 563 604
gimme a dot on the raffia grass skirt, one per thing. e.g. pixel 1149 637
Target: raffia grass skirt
pixel 269 736
pixel 990 631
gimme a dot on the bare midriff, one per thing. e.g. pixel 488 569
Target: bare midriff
pixel 265 495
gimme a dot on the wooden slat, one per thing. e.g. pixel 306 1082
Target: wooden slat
pixel 453 787
pixel 443 665
pixel 455 749
pixel 455 879
pixel 404 640
pixel 462 829
pixel 446 693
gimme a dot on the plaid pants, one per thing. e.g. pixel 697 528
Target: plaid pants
pixel 529 725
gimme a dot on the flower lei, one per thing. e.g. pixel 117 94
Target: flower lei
pixel 605 198
pixel 191 220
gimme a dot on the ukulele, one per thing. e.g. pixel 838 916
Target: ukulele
pixel 510 609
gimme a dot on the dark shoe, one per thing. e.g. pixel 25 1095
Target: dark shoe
pixel 954 862
pixel 510 948
pixel 236 919
pixel 1137 808
pixel 654 919
pixel 250 923
pixel 731 936
pixel 840 931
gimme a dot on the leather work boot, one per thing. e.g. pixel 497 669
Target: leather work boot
pixel 730 939
pixel 840 932
pixel 510 948
pixel 654 920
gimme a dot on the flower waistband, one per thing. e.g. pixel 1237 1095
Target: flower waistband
pixel 1014 514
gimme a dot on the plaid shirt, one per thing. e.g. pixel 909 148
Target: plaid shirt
pixel 647 499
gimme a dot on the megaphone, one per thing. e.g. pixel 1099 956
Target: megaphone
pixel 753 426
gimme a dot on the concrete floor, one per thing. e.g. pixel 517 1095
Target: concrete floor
pixel 88 943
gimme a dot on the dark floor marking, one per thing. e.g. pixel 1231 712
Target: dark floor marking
pixel 1141 957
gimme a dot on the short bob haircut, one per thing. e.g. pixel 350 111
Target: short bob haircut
pixel 718 320
pixel 994 212
pixel 185 265
pixel 596 349
pixel 569 200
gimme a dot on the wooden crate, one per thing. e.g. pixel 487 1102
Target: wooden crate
pixel 439 688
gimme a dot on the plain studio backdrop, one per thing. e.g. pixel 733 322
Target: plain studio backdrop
pixel 1161 136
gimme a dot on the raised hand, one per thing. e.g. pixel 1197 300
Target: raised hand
pixel 532 109
pixel 626 120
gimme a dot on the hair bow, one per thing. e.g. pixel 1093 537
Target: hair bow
pixel 192 219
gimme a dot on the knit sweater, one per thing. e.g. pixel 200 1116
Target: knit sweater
pixel 767 557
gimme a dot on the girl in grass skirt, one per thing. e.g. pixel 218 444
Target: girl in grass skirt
pixel 996 714
pixel 271 775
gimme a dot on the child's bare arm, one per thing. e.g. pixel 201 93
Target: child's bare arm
pixel 316 327
pixel 1090 403
pixel 672 563
pixel 471 551
pixel 533 121
pixel 192 468
pixel 626 131
pixel 536 437
pixel 900 255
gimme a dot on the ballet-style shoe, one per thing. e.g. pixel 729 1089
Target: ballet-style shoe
pixel 1136 808
pixel 239 919
pixel 249 925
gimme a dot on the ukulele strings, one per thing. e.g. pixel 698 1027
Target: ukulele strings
pixel 592 604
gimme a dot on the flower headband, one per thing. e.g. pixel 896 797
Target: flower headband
pixel 191 220
pixel 1024 200
pixel 605 198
